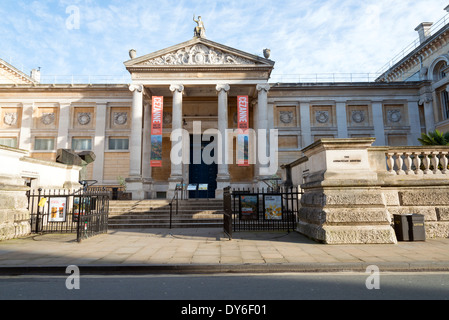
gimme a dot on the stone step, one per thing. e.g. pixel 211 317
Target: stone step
pixel 166 225
pixel 201 213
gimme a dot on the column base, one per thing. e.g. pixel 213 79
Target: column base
pixel 148 189
pixel 172 183
pixel 136 187
pixel 222 183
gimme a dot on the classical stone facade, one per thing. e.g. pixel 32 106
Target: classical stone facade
pixel 200 81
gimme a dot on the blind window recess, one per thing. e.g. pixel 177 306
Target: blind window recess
pixel 118 144
pixel 44 144
pixel 9 142
pixel 82 144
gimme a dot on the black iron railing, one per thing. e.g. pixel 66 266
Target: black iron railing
pixel 175 200
pixel 83 211
pixel 262 209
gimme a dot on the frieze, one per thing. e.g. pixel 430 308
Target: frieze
pixel 10 118
pixel 286 117
pixel 47 118
pixel 120 118
pixel 394 116
pixel 358 116
pixel 84 118
pixel 322 116
pixel 198 54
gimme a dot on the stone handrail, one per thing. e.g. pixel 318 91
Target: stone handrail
pixel 417 160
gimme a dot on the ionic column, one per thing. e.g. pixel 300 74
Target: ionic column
pixel 135 147
pixel 134 182
pixel 146 158
pixel 178 91
pixel 262 124
pixel 223 89
pixel 223 177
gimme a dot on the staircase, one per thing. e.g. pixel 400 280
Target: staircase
pixel 196 213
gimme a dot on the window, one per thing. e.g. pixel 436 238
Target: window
pixel 82 144
pixel 118 143
pixel 444 96
pixel 44 144
pixel 440 71
pixel 9 142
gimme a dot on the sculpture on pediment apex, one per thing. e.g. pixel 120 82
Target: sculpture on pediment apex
pixel 200 30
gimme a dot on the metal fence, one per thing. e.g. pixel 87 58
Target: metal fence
pixel 261 209
pixel 84 212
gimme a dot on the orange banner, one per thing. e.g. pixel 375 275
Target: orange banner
pixel 243 126
pixel 156 131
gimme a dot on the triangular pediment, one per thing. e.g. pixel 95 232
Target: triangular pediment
pixel 11 75
pixel 198 52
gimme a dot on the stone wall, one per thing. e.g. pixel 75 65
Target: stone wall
pixel 352 190
pixel 14 216
pixel 17 168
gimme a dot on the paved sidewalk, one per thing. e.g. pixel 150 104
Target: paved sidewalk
pixel 209 251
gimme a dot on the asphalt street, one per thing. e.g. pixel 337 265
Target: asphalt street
pixel 225 287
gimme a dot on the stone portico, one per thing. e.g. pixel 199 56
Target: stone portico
pixel 200 81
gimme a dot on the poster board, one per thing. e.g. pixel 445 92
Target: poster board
pixel 249 207
pixel 272 207
pixel 192 187
pixel 58 209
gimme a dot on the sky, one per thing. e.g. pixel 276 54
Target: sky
pixel 89 37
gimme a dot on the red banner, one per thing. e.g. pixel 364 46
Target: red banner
pixel 243 126
pixel 156 131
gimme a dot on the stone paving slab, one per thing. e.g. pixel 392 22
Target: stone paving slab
pixel 209 250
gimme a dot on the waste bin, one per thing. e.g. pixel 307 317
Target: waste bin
pixel 417 226
pixel 409 227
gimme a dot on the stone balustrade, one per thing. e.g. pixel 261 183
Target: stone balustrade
pixel 418 161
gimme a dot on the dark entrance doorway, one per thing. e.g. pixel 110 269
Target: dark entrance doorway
pixel 200 172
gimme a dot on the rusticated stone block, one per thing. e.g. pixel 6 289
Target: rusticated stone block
pixel 359 235
pixel 442 213
pixel 429 213
pixel 424 197
pixel 349 234
pixel 437 229
pixel 355 198
pixel 356 216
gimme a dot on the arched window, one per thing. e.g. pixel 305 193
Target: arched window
pixel 439 72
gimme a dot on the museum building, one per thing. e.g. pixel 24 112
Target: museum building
pixel 200 81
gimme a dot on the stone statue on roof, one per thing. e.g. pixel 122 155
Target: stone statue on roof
pixel 200 30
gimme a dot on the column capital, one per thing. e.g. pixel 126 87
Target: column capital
pixel 136 87
pixel 223 87
pixel 265 87
pixel 177 87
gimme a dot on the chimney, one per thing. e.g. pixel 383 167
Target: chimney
pixel 424 31
pixel 36 75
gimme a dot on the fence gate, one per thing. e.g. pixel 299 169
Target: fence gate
pixel 84 212
pixel 259 209
pixel 227 216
